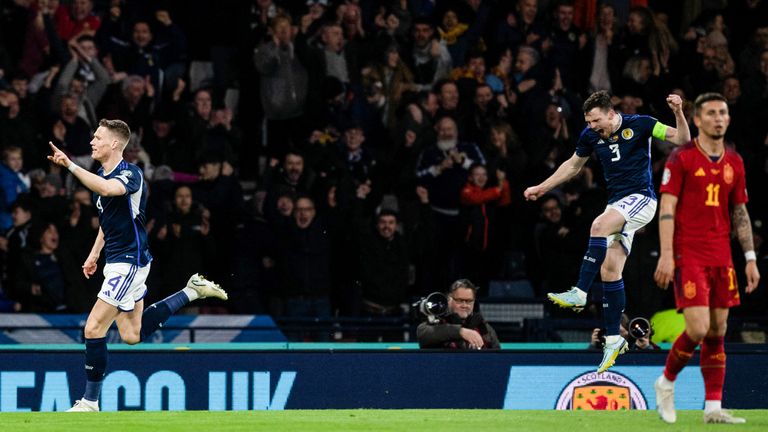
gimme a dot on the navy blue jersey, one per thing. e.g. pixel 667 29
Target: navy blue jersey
pixel 122 218
pixel 625 155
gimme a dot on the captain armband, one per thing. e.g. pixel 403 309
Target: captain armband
pixel 659 131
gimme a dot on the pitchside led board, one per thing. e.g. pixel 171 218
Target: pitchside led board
pixel 276 380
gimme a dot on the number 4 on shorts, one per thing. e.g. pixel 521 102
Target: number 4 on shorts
pixel 114 282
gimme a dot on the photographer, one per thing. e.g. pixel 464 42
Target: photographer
pixel 638 336
pixel 461 329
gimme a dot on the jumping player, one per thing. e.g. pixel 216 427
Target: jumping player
pixel 120 195
pixel 623 145
pixel 701 182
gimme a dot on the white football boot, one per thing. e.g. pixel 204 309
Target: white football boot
pixel 205 288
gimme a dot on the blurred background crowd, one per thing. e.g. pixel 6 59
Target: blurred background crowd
pixel 341 157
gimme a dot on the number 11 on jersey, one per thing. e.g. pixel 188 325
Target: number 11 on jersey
pixel 713 195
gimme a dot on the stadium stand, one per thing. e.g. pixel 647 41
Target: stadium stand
pixel 242 110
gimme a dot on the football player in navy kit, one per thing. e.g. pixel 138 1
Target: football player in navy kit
pixel 120 195
pixel 622 143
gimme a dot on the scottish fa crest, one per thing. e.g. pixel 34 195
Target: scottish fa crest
pixel 601 391
pixel 627 134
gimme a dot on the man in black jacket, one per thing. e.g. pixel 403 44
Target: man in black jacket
pixel 461 329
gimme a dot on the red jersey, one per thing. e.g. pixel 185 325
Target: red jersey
pixel 705 190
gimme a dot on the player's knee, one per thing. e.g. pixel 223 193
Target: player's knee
pixel 130 337
pixel 717 329
pixel 93 330
pixel 610 273
pixel 697 331
pixel 598 228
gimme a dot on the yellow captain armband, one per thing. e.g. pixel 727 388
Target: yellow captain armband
pixel 659 131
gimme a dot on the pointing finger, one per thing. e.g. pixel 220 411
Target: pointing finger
pixel 53 147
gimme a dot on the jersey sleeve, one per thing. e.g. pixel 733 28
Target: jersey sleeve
pixel 654 128
pixel 585 144
pixel 672 178
pixel 131 178
pixel 739 191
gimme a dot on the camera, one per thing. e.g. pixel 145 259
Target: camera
pixel 639 328
pixel 433 306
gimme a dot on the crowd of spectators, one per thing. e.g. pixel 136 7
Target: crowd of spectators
pixel 327 157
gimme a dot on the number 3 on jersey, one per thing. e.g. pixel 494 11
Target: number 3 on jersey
pixel 615 149
pixel 713 195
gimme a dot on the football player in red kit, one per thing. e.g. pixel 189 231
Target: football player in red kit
pixel 703 195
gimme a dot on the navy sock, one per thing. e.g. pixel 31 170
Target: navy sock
pixel 613 306
pixel 593 260
pixel 157 314
pixel 176 301
pixel 95 367
pixel 596 292
pixel 154 317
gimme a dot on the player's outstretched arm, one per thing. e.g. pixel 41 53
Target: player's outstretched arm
pixel 665 268
pixel 681 133
pixel 90 265
pixel 101 186
pixel 743 227
pixel 566 171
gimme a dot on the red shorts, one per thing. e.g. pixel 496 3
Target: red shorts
pixel 712 286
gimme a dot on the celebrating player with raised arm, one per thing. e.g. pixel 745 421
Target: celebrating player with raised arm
pixel 120 195
pixel 702 182
pixel 623 145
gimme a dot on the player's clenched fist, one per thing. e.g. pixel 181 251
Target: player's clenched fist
pixel 533 193
pixel 58 157
pixel 675 102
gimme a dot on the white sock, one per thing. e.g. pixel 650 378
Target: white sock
pixel 665 382
pixel 192 295
pixel 711 406
pixel 612 339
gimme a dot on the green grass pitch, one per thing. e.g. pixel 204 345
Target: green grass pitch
pixel 371 420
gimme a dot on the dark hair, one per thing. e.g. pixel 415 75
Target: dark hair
pixel 438 87
pixel 481 85
pixel 18 75
pixel 473 53
pixel 600 99
pixel 23 202
pixel 181 186
pixel 549 197
pixel 294 152
pixel 86 38
pixel 11 149
pixel 424 20
pixel 387 212
pixel 423 97
pixel 119 128
pixel 707 97
pixel 476 165
pixel 462 283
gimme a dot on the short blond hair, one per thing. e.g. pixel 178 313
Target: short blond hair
pixel 119 128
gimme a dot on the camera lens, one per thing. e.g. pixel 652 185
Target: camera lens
pixel 639 328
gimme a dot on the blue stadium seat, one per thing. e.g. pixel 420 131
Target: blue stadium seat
pixel 510 289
